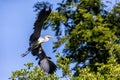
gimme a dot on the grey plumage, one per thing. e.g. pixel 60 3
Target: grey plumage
pixel 44 61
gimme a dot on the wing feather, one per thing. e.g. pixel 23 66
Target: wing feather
pixel 42 16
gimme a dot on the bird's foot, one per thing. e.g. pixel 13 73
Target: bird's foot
pixel 25 54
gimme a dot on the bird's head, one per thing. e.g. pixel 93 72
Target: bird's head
pixel 49 36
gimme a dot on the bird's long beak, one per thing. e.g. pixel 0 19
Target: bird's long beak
pixel 51 36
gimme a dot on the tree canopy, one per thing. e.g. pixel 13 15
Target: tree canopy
pixel 91 38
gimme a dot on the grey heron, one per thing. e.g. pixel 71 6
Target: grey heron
pixel 35 42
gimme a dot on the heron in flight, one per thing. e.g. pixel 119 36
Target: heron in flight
pixel 35 42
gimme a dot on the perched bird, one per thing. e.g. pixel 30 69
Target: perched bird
pixel 35 42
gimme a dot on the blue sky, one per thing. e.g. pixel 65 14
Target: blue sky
pixel 16 23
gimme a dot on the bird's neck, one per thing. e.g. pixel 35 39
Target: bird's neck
pixel 46 39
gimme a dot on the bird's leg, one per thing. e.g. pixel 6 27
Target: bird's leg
pixel 26 53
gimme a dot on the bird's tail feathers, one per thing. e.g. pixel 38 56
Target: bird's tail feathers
pixel 52 67
pixel 47 65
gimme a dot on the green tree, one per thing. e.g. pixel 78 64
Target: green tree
pixel 31 73
pixel 90 36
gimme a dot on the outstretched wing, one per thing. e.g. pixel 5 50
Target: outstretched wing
pixel 42 16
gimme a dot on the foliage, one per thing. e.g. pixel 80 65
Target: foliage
pixel 91 38
pixel 109 71
pixel 90 33
pixel 31 73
